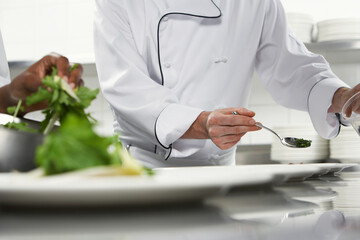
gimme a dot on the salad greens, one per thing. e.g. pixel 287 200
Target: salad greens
pixel 82 148
pixel 74 145
pixel 61 100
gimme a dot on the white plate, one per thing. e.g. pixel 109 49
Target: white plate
pixel 6 118
pixel 166 186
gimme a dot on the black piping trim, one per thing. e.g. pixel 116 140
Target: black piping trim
pixel 167 157
pixel 341 124
pixel 308 106
pixel 157 139
pixel 177 13
pixel 159 57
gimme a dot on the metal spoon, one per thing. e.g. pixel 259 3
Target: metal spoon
pixel 288 141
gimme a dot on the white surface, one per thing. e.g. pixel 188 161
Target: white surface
pixel 167 185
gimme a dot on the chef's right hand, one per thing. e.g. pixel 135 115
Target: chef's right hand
pixel 226 129
pixel 223 127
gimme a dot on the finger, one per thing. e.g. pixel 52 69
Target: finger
pixel 44 66
pixel 75 76
pixel 228 141
pixel 228 145
pixel 220 131
pixel 233 120
pixel 221 119
pixel 63 67
pixel 240 111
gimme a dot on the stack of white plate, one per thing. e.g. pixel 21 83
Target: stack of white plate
pixel 317 152
pixel 339 29
pixel 302 25
pixel 346 146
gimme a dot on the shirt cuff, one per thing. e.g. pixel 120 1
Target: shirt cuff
pixel 3 81
pixel 320 98
pixel 173 122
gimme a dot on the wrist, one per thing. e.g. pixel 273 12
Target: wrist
pixel 339 99
pixel 198 130
pixel 6 99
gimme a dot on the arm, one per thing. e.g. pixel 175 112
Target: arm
pixel 30 80
pixel 141 104
pixel 144 108
pixel 295 77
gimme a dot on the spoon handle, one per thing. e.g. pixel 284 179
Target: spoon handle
pixel 262 126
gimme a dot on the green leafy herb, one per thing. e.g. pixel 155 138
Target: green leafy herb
pixel 61 100
pixel 22 126
pixel 302 143
pixel 73 67
pixel 76 146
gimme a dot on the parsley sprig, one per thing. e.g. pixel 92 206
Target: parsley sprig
pixel 61 100
pixel 20 126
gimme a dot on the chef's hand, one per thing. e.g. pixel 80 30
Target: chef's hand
pixel 340 98
pixel 223 127
pixel 29 81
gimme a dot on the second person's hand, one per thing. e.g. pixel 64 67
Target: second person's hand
pixel 29 81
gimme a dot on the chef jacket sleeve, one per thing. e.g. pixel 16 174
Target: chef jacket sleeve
pixel 141 104
pixel 295 77
pixel 3 81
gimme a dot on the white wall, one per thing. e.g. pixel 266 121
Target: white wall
pixel 324 9
pixel 33 28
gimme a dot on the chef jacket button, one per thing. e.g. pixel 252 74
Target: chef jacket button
pixel 165 19
pixel 167 65
pixel 221 60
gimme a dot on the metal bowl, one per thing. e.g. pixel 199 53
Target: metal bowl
pixel 17 148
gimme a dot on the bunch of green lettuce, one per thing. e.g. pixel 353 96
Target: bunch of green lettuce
pixel 61 100
pixel 75 146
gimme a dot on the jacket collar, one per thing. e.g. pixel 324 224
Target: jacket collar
pixel 203 8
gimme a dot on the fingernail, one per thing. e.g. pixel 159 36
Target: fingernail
pixel 72 85
pixel 252 121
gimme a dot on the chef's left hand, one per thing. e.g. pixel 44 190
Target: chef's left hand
pixel 340 98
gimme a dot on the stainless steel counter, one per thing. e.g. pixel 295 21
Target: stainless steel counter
pixel 316 208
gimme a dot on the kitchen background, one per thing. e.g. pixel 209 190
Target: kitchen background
pixel 33 28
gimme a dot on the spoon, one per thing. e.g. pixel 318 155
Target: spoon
pixel 287 141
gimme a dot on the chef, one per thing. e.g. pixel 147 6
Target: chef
pixel 29 81
pixel 175 71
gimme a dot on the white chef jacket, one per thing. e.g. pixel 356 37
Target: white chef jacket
pixel 162 62
pixel 4 67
